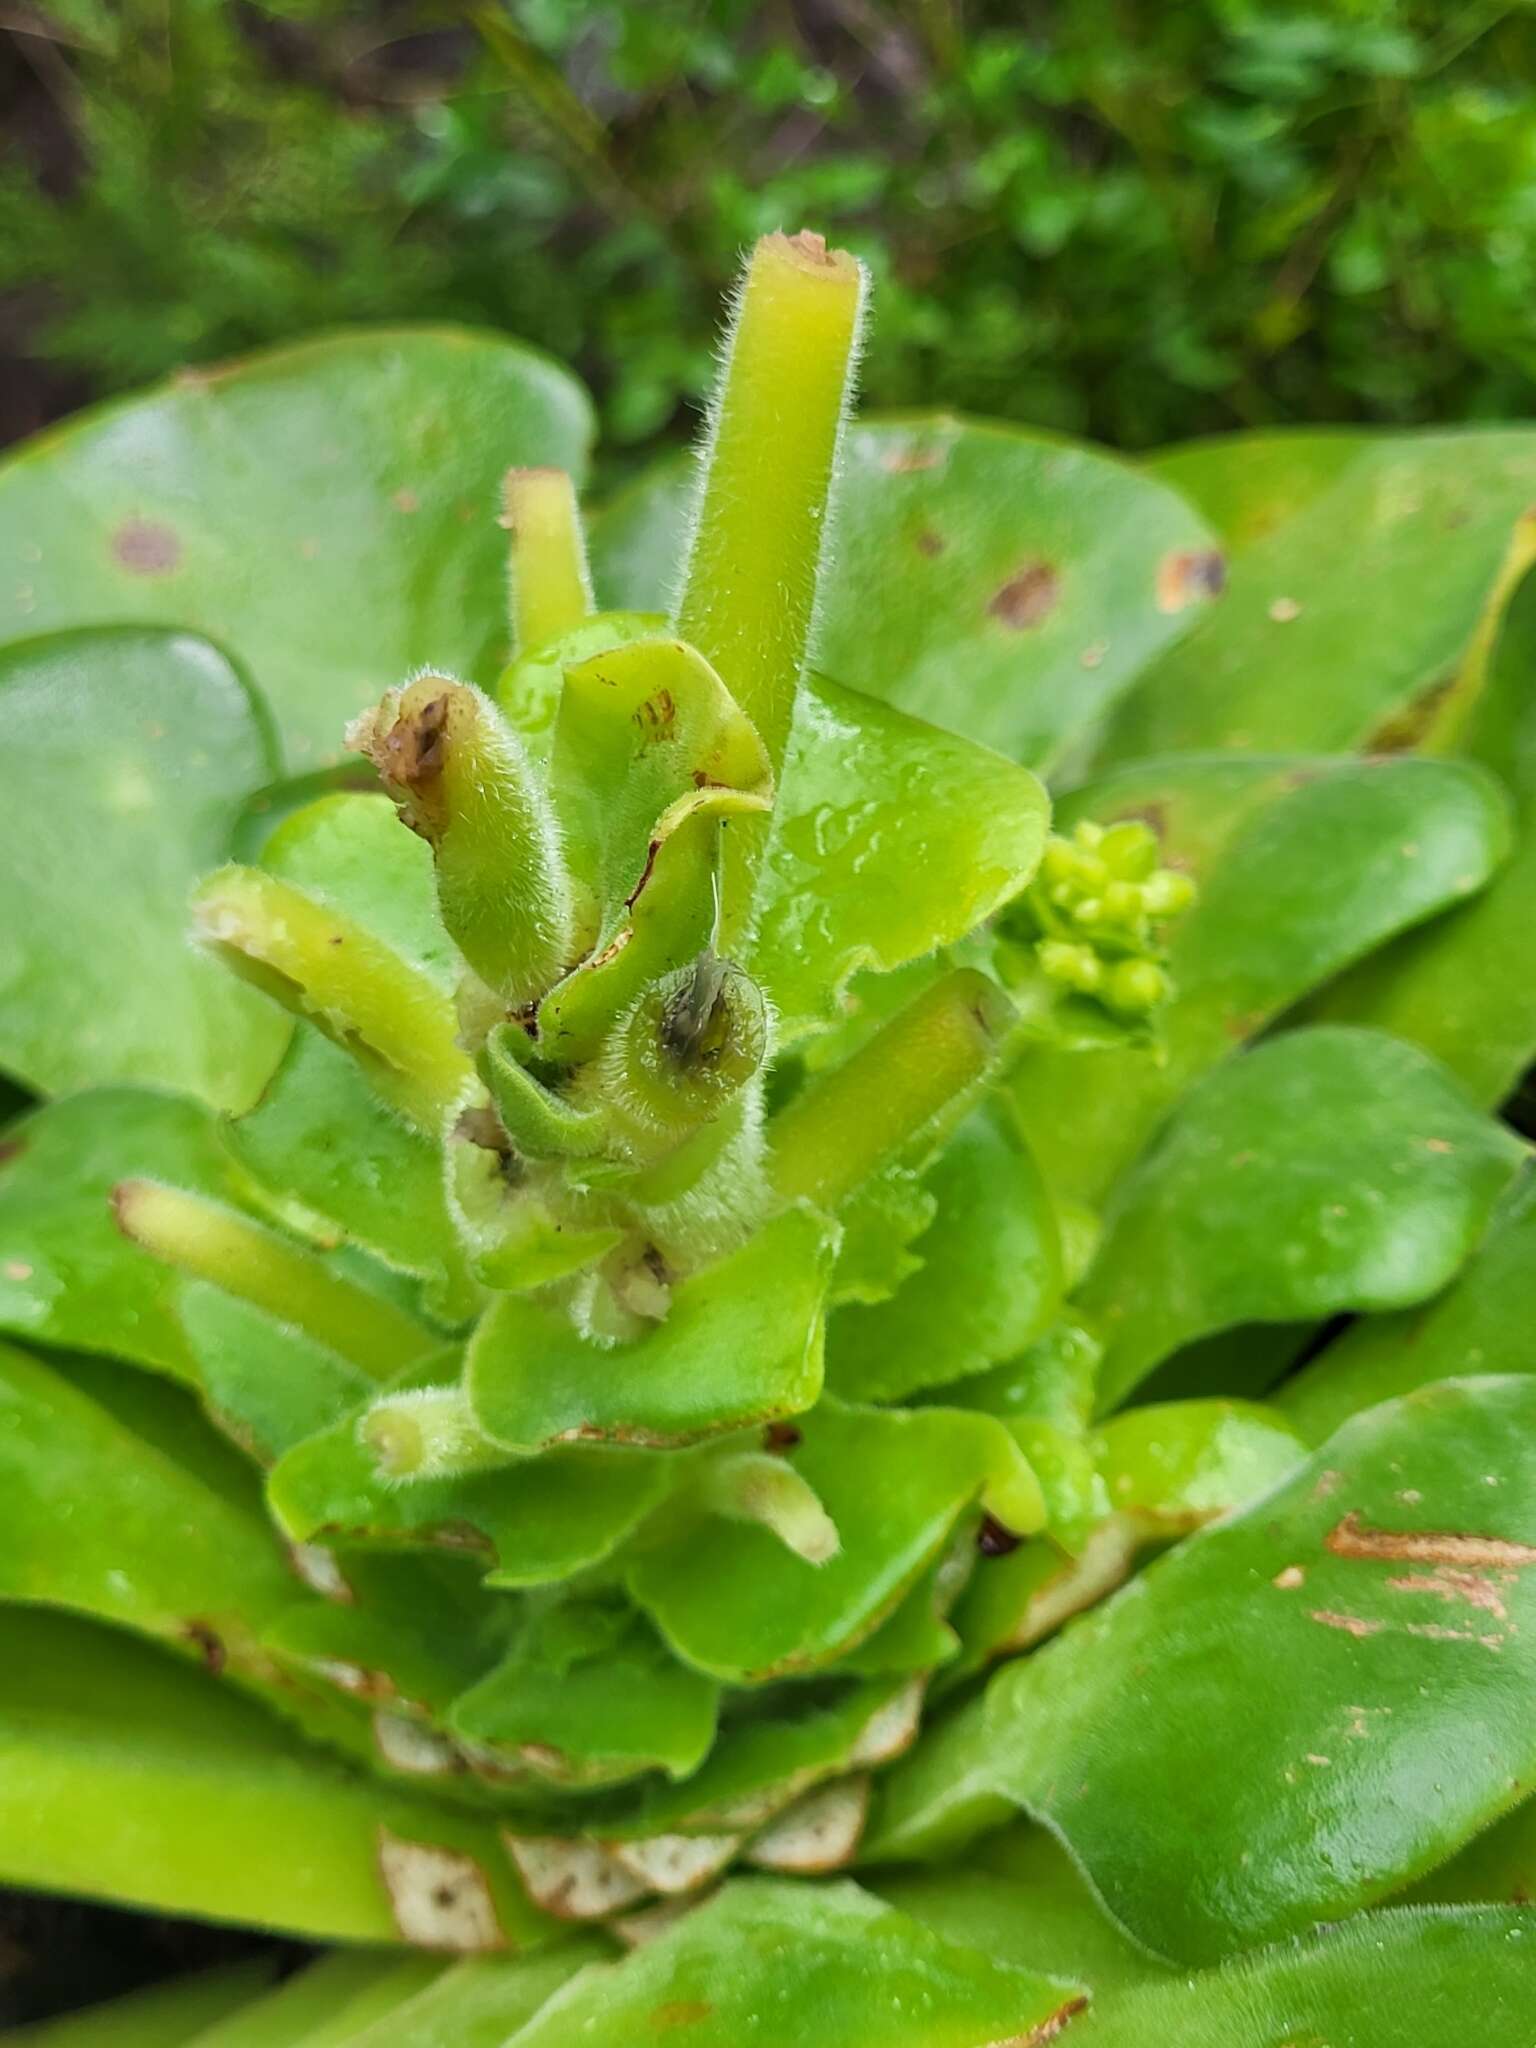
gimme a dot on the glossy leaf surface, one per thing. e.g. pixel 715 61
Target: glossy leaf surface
pixel 990 1278
pixel 67 1273
pixel 1023 581
pixel 1349 621
pixel 830 1960
pixel 890 838
pixel 325 513
pixel 1393 1980
pixel 129 1776
pixel 741 1343
pixel 1480 1324
pixel 138 748
pixel 894 1483
pixel 1326 1170
pixel 1462 990
pixel 1373 1616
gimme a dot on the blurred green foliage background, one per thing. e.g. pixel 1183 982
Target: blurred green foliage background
pixel 1136 221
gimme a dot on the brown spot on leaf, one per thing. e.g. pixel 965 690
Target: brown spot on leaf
pixel 780 1436
pixel 1428 1546
pixel 657 716
pixel 1288 1580
pixel 1351 1624
pixel 1048 2029
pixel 680 2012
pixel 1189 575
pixel 904 461
pixel 1028 598
pixel 11 1148
pixel 929 543
pixel 209 1645
pixel 405 501
pixel 1410 724
pixel 1448 1584
pixel 145 547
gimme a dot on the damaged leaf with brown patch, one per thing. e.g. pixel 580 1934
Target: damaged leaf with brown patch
pixel 1206 1824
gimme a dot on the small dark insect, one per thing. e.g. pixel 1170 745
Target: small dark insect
pixel 993 1540
pixel 686 1020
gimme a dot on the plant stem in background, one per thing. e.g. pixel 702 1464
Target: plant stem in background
pixel 551 591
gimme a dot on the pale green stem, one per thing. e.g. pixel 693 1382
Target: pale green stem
pixel 852 1120
pixel 211 1242
pixel 396 1023
pixel 428 1433
pixel 464 781
pixel 749 591
pixel 551 590
pixel 756 1486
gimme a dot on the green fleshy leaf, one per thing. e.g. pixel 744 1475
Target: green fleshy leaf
pixel 640 726
pixel 163 2016
pixel 1423 533
pixel 1249 486
pixel 1024 582
pixel 1392 1980
pixel 124 1775
pixel 1023 1899
pixel 266 1383
pixel 741 1344
pixel 67 1274
pixel 760 1764
pixel 1326 1170
pixel 322 1136
pixel 890 838
pixel 351 850
pixel 529 691
pixel 414 1632
pixel 587 1696
pixel 989 1282
pixel 1303 866
pixel 141 1540
pixel 534 1522
pixel 1177 1465
pixel 137 748
pixel 1373 1616
pixel 1460 989
pixel 481 2001
pixel 284 505
pixel 881 1222
pixel 895 1482
pixel 830 1959
pixel 321 2006
pixel 1481 1324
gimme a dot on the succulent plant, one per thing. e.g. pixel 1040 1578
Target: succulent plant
pixel 636 1281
